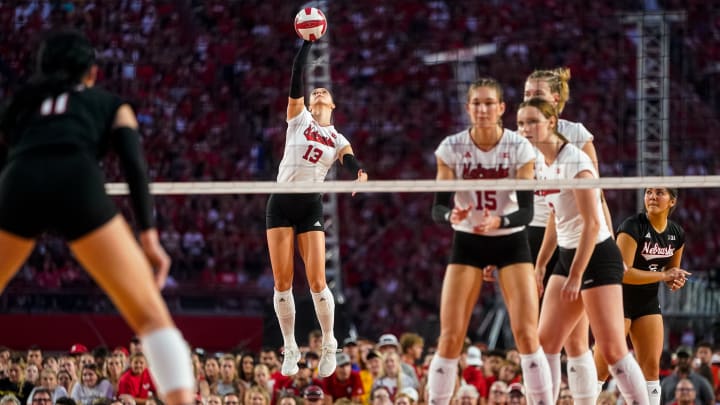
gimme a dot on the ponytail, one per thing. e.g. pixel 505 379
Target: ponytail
pixel 63 60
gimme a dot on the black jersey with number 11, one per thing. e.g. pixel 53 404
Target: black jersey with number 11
pixel 82 117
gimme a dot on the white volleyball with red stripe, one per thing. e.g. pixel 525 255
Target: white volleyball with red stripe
pixel 310 24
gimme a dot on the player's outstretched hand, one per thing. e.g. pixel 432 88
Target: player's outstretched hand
pixel 362 178
pixel 157 256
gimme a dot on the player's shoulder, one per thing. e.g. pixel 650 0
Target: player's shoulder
pixel 459 138
pixel 513 137
pixel 634 224
pixel 303 116
pixel 674 227
pixel 98 94
pixel 572 154
pixel 574 131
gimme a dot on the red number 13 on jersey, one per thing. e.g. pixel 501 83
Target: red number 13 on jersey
pixel 312 154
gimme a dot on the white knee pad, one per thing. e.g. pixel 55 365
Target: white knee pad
pixel 168 357
pixel 582 376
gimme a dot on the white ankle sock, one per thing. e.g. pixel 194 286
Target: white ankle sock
pixel 555 373
pixel 630 380
pixel 654 392
pixel 325 310
pixel 284 304
pixel 538 377
pixel 441 380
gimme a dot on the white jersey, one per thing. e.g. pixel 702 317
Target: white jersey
pixel 470 162
pixel 310 149
pixel 568 221
pixel 578 135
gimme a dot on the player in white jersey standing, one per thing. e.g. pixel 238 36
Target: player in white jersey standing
pixel 552 86
pixel 489 230
pixel 589 271
pixel 312 145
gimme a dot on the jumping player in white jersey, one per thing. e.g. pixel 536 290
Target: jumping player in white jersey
pixel 589 271
pixel 312 145
pixel 489 230
pixel 652 248
pixel 552 86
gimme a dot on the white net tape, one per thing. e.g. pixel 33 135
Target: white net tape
pixel 417 186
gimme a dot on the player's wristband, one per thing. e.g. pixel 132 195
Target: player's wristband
pixel 351 164
pixel 441 207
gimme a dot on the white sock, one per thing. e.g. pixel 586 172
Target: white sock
pixel 630 380
pixel 654 392
pixel 600 386
pixel 582 378
pixel 325 310
pixel 284 304
pixel 441 380
pixel 168 357
pixel 538 377
pixel 555 373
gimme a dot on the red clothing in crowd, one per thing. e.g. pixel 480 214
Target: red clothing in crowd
pixel 473 375
pixel 350 388
pixel 137 385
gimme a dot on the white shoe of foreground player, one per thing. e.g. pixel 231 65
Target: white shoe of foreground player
pixel 327 359
pixel 291 356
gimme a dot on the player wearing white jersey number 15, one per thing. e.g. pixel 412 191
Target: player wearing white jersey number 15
pixel 489 230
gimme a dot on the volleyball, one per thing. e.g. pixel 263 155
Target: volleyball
pixel 310 24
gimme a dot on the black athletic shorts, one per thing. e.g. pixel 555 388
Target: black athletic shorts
pixel 60 189
pixel 480 251
pixel 535 238
pixel 301 211
pixel 638 303
pixel 605 266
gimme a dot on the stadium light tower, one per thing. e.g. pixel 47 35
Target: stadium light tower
pixel 653 90
pixel 319 76
pixel 465 66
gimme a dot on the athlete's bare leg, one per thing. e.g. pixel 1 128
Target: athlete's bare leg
pixel 114 259
pixel 14 250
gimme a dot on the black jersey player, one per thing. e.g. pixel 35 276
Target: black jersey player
pixel 55 130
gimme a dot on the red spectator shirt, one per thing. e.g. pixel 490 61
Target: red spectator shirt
pixel 137 385
pixel 350 388
pixel 473 375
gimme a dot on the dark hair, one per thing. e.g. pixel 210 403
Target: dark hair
pixel 65 401
pixel 43 390
pixel 63 59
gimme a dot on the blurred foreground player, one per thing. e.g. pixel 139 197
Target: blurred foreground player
pixel 55 129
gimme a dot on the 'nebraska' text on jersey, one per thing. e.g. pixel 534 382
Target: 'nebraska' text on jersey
pixel 467 161
pixel 654 249
pixel 569 162
pixel 310 149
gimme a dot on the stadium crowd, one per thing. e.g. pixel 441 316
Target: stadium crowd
pixel 208 80
pixel 382 372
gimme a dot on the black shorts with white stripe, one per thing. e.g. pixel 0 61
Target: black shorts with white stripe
pixel 303 212
pixel 605 266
